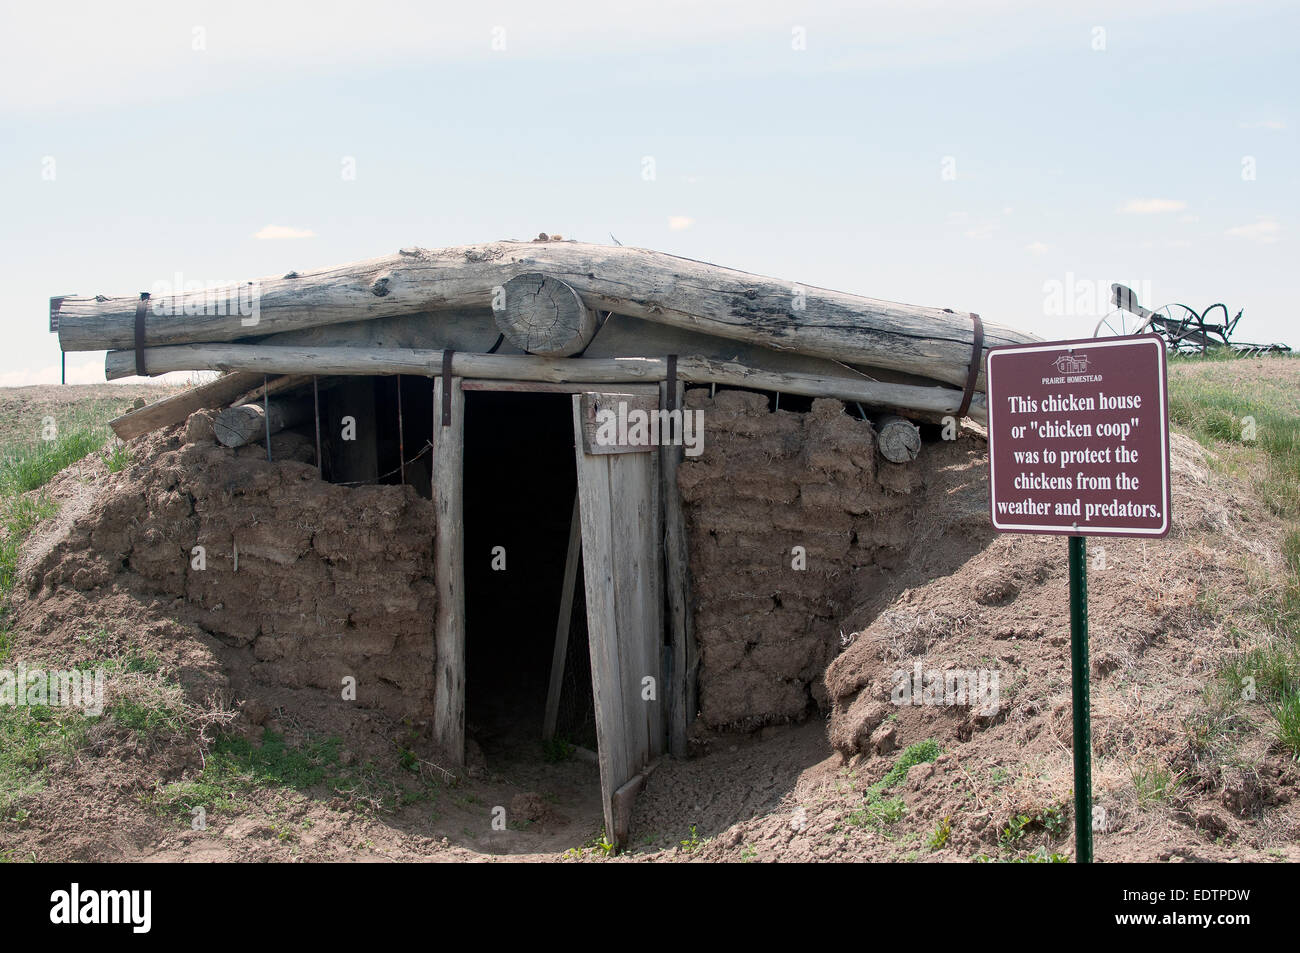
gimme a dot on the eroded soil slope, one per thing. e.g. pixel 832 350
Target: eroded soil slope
pixel 1183 769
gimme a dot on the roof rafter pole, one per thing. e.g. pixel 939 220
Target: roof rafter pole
pixel 911 399
pixel 931 342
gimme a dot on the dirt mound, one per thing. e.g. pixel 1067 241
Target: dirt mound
pixel 305 584
pixel 999 626
pixel 904 576
pixel 1009 604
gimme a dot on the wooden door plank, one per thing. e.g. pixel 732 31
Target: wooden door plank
pixel 630 484
pixel 624 799
pixel 602 626
pixel 623 405
pixel 621 542
pixel 641 639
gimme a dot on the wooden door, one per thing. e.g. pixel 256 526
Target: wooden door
pixel 618 503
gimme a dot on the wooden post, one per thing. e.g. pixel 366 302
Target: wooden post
pixel 449 573
pixel 347 360
pixel 560 652
pixel 677 580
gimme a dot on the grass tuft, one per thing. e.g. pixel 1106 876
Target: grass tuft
pixel 31 466
pixel 119 458
pixel 923 752
pixel 18 517
pixel 1287 715
pixel 31 737
pixel 1155 784
pixel 236 768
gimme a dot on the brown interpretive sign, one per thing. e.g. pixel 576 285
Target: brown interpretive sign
pixel 1079 437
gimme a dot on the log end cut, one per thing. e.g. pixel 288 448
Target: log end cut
pixel 542 315
pixel 899 439
pixel 246 423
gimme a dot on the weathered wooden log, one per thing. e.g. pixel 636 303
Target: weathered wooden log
pixel 174 409
pixel 269 359
pixel 248 423
pixel 898 438
pixel 932 342
pixel 542 315
pixel 236 388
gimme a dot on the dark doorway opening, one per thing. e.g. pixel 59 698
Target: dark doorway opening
pixel 520 480
pixel 375 429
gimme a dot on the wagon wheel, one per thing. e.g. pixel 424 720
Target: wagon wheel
pixel 1181 327
pixel 1120 323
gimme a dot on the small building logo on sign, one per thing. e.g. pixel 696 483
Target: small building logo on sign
pixel 1070 364
pixel 1079 437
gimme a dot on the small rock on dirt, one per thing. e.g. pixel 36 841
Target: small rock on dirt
pixel 885 738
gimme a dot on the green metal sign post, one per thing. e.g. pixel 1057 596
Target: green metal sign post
pixel 1079 446
pixel 1081 700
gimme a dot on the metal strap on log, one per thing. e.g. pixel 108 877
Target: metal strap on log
pixel 976 359
pixel 446 391
pixel 140 309
pixel 672 382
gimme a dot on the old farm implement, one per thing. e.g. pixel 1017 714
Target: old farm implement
pixel 1185 330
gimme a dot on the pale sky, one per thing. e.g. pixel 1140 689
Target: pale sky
pixel 1005 157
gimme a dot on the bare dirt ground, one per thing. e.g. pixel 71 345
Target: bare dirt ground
pixel 1165 616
